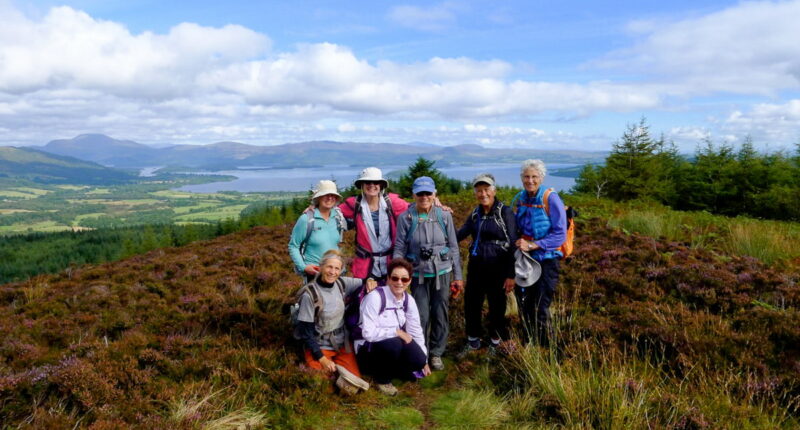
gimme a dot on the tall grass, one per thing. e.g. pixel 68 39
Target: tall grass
pixel 769 241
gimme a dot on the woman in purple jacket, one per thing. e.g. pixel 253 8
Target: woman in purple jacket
pixel 393 344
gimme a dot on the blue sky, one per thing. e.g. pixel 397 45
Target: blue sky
pixel 505 74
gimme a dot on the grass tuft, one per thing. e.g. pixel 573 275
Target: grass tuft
pixel 469 409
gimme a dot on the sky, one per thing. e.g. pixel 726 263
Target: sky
pixel 527 73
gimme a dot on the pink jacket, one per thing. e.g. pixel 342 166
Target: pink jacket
pixel 360 267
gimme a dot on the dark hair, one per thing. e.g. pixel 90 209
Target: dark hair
pixel 399 262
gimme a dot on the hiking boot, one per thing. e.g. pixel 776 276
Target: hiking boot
pixel 388 389
pixel 470 346
pixel 437 363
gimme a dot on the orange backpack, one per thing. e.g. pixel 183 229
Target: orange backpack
pixel 567 247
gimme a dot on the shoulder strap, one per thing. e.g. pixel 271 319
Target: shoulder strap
pixel 316 298
pixel 498 217
pixel 309 229
pixel 545 200
pixel 405 301
pixel 383 301
pixel 412 213
pixel 341 223
pixel 440 218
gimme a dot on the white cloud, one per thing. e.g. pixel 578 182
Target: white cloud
pixel 773 124
pixel 749 48
pixel 70 49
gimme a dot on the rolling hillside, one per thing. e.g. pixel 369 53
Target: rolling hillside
pixel 44 167
pixel 229 155
pixel 194 336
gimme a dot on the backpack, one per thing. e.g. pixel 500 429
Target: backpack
pixel 414 216
pixel 361 252
pixel 568 246
pixel 316 299
pixel 498 218
pixel 341 225
pixel 352 313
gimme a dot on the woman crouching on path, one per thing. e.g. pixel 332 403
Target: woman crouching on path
pixel 320 318
pixel 393 344
pixel 374 213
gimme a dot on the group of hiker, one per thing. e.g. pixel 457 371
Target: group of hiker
pixel 389 318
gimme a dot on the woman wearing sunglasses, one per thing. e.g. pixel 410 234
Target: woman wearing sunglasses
pixel 393 344
pixel 427 238
pixel 374 213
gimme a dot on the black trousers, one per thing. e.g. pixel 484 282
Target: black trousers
pixel 485 281
pixel 534 303
pixel 391 358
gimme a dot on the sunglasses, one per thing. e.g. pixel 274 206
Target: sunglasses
pixel 424 194
pixel 403 280
pixel 372 183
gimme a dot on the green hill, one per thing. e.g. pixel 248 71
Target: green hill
pixel 651 333
pixel 43 167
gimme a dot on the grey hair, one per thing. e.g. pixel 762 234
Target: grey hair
pixel 537 165
pixel 330 255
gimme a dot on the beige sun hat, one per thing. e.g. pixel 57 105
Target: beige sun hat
pixel 371 174
pixel 349 383
pixel 325 187
pixel 526 268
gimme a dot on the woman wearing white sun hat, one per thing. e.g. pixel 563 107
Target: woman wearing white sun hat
pixel 317 230
pixel 374 213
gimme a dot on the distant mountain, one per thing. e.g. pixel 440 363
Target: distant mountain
pixel 230 155
pixel 44 167
pixel 103 149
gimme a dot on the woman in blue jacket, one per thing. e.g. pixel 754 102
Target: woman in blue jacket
pixel 542 228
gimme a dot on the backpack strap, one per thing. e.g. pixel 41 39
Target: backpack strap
pixel 316 297
pixel 498 217
pixel 545 201
pixel 309 229
pixel 383 301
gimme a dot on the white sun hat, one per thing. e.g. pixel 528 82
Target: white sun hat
pixel 371 174
pixel 325 187
pixel 526 268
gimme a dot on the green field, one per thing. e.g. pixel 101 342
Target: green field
pixel 26 207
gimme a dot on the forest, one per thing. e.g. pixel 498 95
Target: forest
pixel 718 178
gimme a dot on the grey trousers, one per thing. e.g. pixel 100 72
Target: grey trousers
pixel 433 315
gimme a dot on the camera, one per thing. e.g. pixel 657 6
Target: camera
pixel 425 253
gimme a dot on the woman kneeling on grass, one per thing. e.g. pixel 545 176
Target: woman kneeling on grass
pixel 320 322
pixel 393 345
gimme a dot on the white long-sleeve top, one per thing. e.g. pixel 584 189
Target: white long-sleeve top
pixel 376 326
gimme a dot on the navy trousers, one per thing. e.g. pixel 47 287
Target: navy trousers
pixel 534 303
pixel 485 281
pixel 391 358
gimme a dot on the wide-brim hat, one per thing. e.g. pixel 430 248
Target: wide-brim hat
pixel 371 174
pixel 325 187
pixel 526 269
pixel 348 382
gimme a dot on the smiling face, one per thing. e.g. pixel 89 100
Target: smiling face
pixel 531 180
pixel 424 201
pixel 485 193
pixel 330 271
pixel 327 202
pixel 398 280
pixel 371 189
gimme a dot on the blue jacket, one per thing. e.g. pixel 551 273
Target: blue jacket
pixel 324 237
pixel 549 231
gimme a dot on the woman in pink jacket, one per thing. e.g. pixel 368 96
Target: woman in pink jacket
pixel 374 213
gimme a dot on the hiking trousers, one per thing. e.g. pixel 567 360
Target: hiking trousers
pixel 391 358
pixel 534 303
pixel 340 357
pixel 485 282
pixel 432 305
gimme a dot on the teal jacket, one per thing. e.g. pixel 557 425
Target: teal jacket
pixel 324 237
